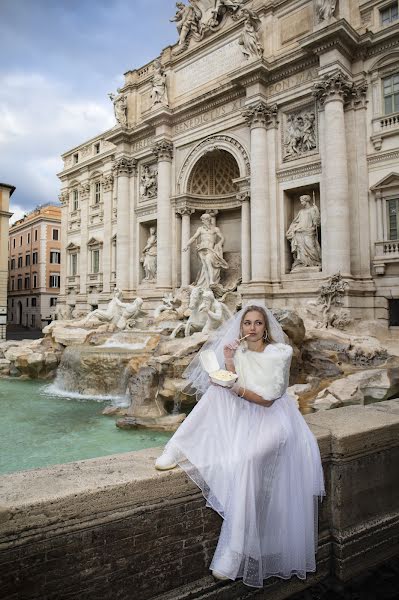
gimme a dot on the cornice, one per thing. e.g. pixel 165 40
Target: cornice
pixel 79 168
pixel 377 158
pixel 338 34
pixel 299 172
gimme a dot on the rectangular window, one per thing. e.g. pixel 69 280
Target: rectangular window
pixel 27 260
pixel 97 148
pixel 34 258
pixel 27 302
pixel 35 235
pixel 54 281
pixel 33 320
pixel 55 234
pixel 95 261
pixel 393 219
pixel 19 262
pixel 27 282
pixel 13 243
pixel 74 264
pixel 12 285
pixel 55 257
pixel 97 193
pixel 391 93
pixel 12 264
pixel 35 280
pixel 19 286
pixel 53 301
pixel 28 238
pixel 389 14
pixel 75 200
pixel 76 158
pixel 20 240
pixel 33 301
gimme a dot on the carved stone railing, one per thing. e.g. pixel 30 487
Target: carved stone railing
pixel 73 282
pixel 385 252
pixel 384 126
pixel 95 280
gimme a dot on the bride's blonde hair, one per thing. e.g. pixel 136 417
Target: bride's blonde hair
pixel 261 310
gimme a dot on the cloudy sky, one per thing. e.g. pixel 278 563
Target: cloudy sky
pixel 58 61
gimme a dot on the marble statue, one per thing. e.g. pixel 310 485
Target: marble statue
pixel 159 92
pixel 105 315
pixel 149 256
pixel 221 6
pixel 63 313
pixel 120 314
pixel 120 107
pixel 300 134
pixel 210 252
pixel 197 319
pixel 129 312
pixel 217 312
pixel 188 20
pixel 302 234
pixel 325 9
pixel 249 38
pixel 148 182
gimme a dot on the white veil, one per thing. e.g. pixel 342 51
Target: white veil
pixel 197 377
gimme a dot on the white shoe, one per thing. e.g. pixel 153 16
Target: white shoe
pixel 220 576
pixel 166 461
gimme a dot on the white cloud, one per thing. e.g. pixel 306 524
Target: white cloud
pixel 18 213
pixel 41 118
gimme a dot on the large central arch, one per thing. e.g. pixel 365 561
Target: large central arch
pixel 211 144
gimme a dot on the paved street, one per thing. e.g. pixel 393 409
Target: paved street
pixel 18 332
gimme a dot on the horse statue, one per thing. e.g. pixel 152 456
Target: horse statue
pixel 197 319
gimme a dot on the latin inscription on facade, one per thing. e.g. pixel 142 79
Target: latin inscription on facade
pixel 293 81
pixel 208 116
pixel 208 67
pixel 141 144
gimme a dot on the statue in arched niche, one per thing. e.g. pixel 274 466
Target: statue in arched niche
pixel 210 252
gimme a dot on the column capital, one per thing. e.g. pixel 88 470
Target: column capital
pixel 185 210
pixel 359 94
pixel 64 197
pixel 332 86
pixel 124 166
pixel 163 150
pixel 84 190
pixel 243 195
pixel 260 114
pixel 108 182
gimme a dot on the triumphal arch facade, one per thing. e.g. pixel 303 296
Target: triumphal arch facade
pixel 277 118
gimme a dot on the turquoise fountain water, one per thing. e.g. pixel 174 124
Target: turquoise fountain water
pixel 42 426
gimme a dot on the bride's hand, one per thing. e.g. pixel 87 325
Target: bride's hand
pixel 230 349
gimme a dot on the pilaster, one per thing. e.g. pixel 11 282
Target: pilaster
pixel 163 150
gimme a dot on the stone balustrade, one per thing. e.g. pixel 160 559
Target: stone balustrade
pixel 114 527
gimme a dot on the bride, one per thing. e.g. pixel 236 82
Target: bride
pixel 252 454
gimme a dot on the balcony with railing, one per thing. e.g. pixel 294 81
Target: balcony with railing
pixel 95 281
pixel 383 127
pixel 73 283
pixel 385 253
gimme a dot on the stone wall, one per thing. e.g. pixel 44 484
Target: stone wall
pixel 114 528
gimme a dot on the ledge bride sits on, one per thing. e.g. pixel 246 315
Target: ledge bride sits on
pixel 252 454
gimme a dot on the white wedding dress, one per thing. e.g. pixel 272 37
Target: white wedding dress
pixel 259 468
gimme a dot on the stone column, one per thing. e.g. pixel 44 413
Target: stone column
pixel 258 116
pixel 84 195
pixel 64 199
pixel 122 168
pixel 331 92
pixel 163 150
pixel 108 183
pixel 185 213
pixel 243 197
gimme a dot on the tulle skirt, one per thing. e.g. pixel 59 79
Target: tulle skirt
pixel 260 469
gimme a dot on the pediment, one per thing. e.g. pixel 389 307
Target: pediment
pixel 389 181
pixel 71 247
pixel 94 242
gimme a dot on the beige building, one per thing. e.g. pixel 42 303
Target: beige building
pixel 6 192
pixel 259 103
pixel 34 251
